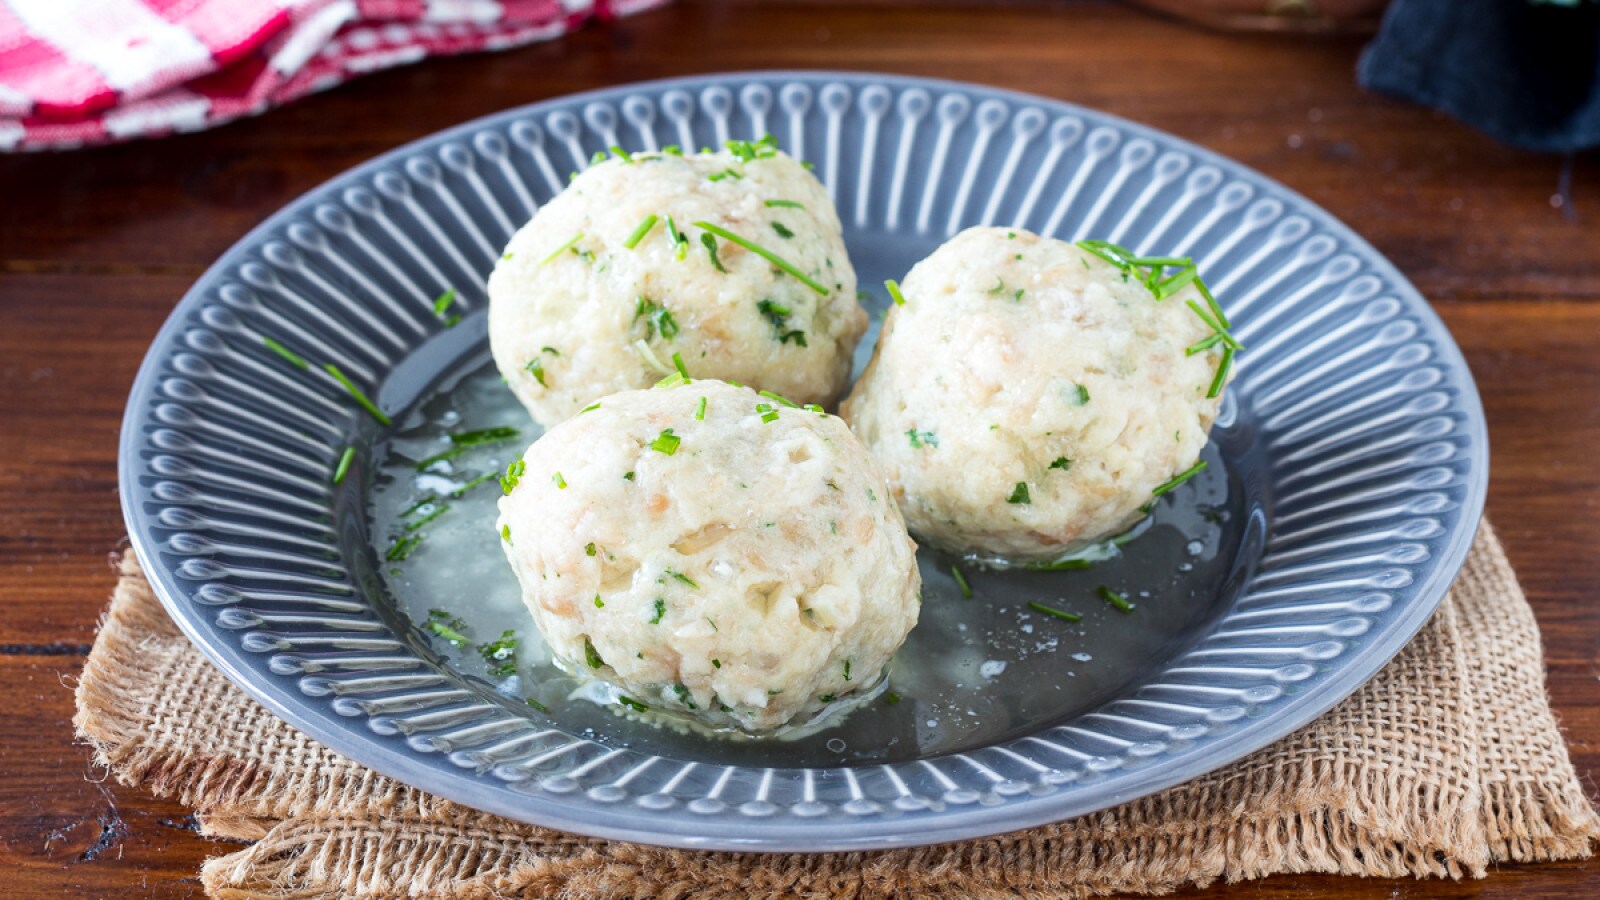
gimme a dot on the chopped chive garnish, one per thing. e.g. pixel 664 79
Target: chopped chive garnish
pixel 920 439
pixel 683 578
pixel 1080 395
pixel 536 369
pixel 1052 611
pixel 1215 325
pixel 458 492
pixel 561 483
pixel 589 549
pixel 590 408
pixel 812 407
pixel 700 410
pixel 678 240
pixel 1117 255
pixel 561 249
pixel 672 150
pixel 1216 308
pixel 598 603
pixel 1061 565
pixel 622 154
pixel 1019 494
pixel 444 625
pixel 289 356
pixel 761 251
pixel 627 476
pixel 598 157
pixel 631 703
pixel 894 292
pixel 639 233
pixel 660 611
pixel 782 231
pixel 786 204
pixel 1180 478
pixel 891 698
pixel 666 442
pixel 484 436
pixel 961 582
pixel 683 371
pixel 1176 283
pixel 505 533
pixel 725 173
pixel 750 151
pixel 847 670
pixel 780 398
pixel 1204 345
pixel 1114 598
pixel 355 392
pixel 402 547
pixel 344 464
pixel 591 655
pixel 768 414
pixel 1221 378
pixel 513 476
pixel 430 509
pixel 539 706
pixel 716 664
pixel 444 302
pixel 710 243
pixel 1062 463
pixel 827 698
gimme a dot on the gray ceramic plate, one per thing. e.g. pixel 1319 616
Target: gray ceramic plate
pixel 1347 477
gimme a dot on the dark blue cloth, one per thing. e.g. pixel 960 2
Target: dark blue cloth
pixel 1527 73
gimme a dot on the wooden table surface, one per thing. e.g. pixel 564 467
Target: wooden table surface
pixel 96 246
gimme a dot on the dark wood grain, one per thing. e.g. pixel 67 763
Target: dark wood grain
pixel 96 246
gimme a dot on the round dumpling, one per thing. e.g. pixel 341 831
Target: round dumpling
pixel 619 272
pixel 714 552
pixel 1028 399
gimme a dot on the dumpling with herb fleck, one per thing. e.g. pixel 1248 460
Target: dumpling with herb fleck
pixel 1031 397
pixel 731 260
pixel 712 552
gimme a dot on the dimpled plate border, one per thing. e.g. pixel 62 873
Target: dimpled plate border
pixel 1363 439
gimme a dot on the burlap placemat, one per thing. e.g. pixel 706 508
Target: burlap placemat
pixel 1447 762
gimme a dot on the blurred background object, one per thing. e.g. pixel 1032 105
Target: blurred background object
pixel 83 72
pixel 1527 72
pixel 1340 16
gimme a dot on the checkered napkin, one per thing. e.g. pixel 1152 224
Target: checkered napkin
pixel 79 72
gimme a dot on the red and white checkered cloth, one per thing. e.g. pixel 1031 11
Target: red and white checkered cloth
pixel 78 72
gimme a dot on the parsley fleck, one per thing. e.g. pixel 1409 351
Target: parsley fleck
pixel 501 654
pixel 1019 494
pixel 778 317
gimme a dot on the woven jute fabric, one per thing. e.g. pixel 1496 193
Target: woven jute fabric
pixel 1447 762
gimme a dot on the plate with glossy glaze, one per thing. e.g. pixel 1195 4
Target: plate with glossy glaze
pixel 1346 477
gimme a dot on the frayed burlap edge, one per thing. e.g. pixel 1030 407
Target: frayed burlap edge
pixel 1424 772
